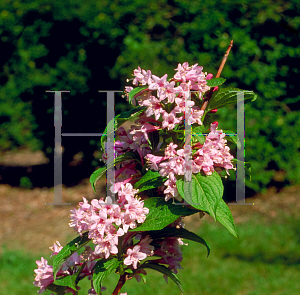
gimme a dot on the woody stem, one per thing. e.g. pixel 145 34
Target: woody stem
pixel 205 103
pixel 121 282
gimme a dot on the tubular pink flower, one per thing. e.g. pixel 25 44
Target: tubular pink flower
pixel 158 82
pixel 134 256
pixel 169 120
pixel 44 275
pixel 154 161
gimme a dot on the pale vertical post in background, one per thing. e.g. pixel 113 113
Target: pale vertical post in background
pixel 57 149
pixel 110 174
pixel 240 154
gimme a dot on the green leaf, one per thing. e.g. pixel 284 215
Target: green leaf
pixel 180 233
pixel 59 290
pixel 70 280
pixel 215 82
pixel 152 179
pixel 134 92
pixel 231 136
pixel 143 277
pixel 161 214
pixel 197 133
pixel 119 120
pixel 101 270
pixel 198 129
pixel 96 175
pixel 68 250
pixel 227 96
pixel 225 218
pixel 202 192
pixel 164 270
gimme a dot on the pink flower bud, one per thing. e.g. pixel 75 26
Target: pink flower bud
pixel 214 111
pixel 209 76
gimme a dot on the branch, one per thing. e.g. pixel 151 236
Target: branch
pixel 205 103
pixel 121 282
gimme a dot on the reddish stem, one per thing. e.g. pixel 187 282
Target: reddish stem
pixel 121 282
pixel 205 103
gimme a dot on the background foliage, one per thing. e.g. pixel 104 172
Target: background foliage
pixel 95 45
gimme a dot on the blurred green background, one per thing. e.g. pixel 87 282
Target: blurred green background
pixel 95 45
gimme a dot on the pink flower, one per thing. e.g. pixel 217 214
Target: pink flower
pixel 171 191
pixel 107 246
pixel 44 275
pixel 170 120
pixel 170 150
pixel 154 107
pixel 128 88
pixel 139 131
pixel 158 82
pixel 56 248
pixel 209 76
pixel 170 253
pixel 141 76
pixel 154 161
pixel 145 245
pixel 134 256
pixel 195 116
pixel 167 91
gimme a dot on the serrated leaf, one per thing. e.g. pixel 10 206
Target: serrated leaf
pixel 179 233
pixel 225 218
pixel 165 271
pixel 152 179
pixel 227 96
pixel 161 214
pixel 135 92
pixel 68 250
pixel 96 175
pixel 101 270
pixel 202 192
pixel 231 136
pixel 119 120
pixel 215 82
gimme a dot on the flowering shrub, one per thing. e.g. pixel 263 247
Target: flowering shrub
pixel 161 175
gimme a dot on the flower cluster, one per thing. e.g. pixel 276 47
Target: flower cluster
pixel 213 153
pixel 44 272
pixel 188 78
pixel 105 223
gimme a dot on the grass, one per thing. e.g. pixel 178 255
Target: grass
pixel 264 260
